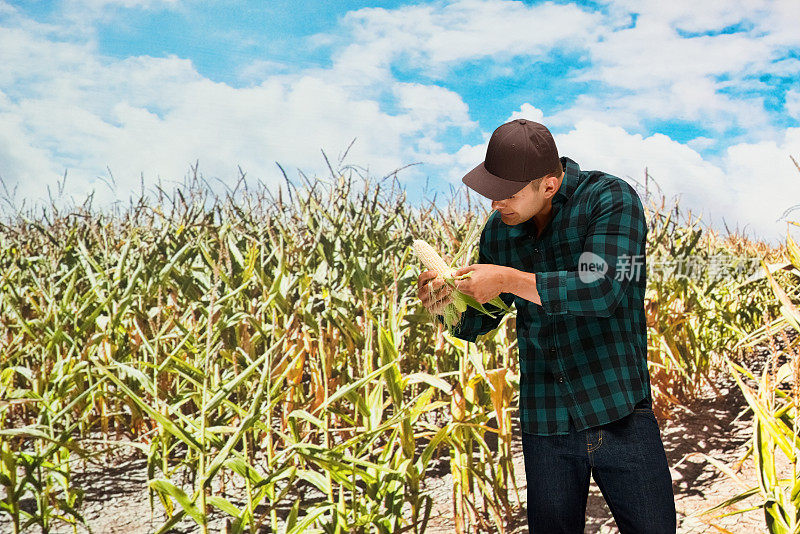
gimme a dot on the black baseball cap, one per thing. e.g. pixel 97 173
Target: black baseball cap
pixel 519 152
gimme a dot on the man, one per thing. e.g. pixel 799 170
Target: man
pixel 568 247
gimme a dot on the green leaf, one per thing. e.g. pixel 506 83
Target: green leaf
pixel 431 380
pixel 310 518
pixel 168 488
pixel 460 302
pixel 243 469
pixel 224 505
pixel 291 521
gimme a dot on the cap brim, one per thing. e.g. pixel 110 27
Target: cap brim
pixel 490 185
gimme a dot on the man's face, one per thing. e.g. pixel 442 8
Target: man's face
pixel 532 199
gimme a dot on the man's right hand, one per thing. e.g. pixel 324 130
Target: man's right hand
pixel 433 292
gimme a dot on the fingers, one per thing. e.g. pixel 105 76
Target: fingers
pixel 424 276
pixel 423 286
pixel 437 293
pixel 433 292
pixel 429 280
pixel 464 270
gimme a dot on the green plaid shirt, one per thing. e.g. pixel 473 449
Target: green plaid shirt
pixel 583 352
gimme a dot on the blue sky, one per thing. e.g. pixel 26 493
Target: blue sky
pixel 704 95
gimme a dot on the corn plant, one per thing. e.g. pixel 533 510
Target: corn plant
pixel 694 316
pixel 775 425
pixel 267 357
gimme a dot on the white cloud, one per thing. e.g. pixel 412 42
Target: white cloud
pixel 74 109
pixel 654 70
pixel 78 19
pixel 698 144
pixel 749 188
pixel 453 166
pixel 764 178
pixel 424 104
pixel 432 110
pixel 99 5
pixel 155 116
pixel 64 105
pixel 652 53
pixel 696 101
pixel 527 111
pixel 21 161
pixel 678 168
pixel 786 67
pixel 752 185
pixel 434 37
pixel 775 21
pixel 793 103
pixel 649 71
pixel 261 69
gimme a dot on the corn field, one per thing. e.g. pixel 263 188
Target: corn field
pixel 267 355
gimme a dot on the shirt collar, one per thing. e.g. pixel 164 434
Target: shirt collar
pixel 570 181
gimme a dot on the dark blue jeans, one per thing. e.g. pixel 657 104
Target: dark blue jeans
pixel 627 460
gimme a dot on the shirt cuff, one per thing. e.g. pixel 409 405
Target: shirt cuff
pixel 552 288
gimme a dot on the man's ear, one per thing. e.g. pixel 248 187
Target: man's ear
pixel 553 182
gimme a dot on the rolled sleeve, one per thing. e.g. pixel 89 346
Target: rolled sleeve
pixel 616 235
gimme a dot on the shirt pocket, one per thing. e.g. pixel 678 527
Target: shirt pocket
pixel 567 247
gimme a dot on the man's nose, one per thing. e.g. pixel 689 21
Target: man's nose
pixel 496 204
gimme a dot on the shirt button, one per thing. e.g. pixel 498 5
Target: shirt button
pixel 560 379
pixel 552 350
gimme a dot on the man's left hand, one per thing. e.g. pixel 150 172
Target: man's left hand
pixel 486 282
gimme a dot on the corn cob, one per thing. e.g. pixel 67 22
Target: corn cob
pixel 452 312
pixel 433 261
